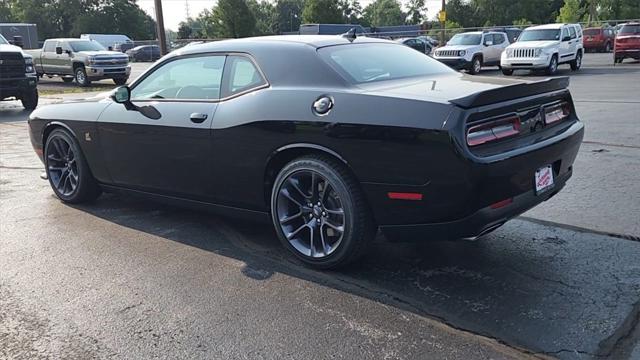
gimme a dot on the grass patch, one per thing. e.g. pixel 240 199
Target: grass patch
pixel 73 90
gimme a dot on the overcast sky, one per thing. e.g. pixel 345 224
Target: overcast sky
pixel 175 10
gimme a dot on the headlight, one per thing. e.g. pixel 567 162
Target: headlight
pixel 509 52
pixel 28 65
pixel 461 53
pixel 91 60
pixel 537 52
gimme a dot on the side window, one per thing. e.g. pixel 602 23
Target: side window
pixel 565 33
pixel 572 32
pixel 498 39
pixel 240 75
pixel 193 78
pixel 49 46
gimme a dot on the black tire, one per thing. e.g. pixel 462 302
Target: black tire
pixel 476 65
pixel 358 228
pixel 576 63
pixel 507 72
pixel 120 81
pixel 30 99
pixel 56 165
pixel 552 68
pixel 81 76
pixel 67 79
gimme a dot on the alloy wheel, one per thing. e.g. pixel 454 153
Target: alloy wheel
pixel 80 77
pixel 62 166
pixel 310 213
pixel 477 66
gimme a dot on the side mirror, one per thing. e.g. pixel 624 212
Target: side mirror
pixel 566 38
pixel 59 50
pixel 122 95
pixel 488 43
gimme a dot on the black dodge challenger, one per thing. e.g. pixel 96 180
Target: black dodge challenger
pixel 329 137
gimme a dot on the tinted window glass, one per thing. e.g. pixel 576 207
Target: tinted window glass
pixel 630 30
pixel 85 46
pixel 241 75
pixel 592 32
pixel 541 34
pixel 565 33
pixel 361 63
pixel 3 41
pixel 572 32
pixel 187 78
pixel 50 46
pixel 465 39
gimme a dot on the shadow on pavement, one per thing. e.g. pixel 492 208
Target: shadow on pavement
pixel 547 289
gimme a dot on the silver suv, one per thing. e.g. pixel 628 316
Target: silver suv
pixel 545 47
pixel 473 50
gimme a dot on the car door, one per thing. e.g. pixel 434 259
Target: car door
pixel 65 60
pixel 573 43
pixel 488 51
pixel 49 57
pixel 565 44
pixel 168 150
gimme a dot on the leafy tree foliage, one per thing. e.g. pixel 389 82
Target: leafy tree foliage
pixel 266 17
pixel 351 11
pixel 570 12
pixel 289 14
pixel 383 13
pixel 235 18
pixel 322 12
pixel 417 11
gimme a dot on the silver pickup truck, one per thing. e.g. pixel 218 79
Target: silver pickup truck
pixel 82 60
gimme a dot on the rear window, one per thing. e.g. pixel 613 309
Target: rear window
pixel 592 32
pixel 364 63
pixel 630 30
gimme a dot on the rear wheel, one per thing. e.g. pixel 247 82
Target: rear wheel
pixel 67 169
pixel 30 99
pixel 320 213
pixel 577 62
pixel 553 65
pixel 476 65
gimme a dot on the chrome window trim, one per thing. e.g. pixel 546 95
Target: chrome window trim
pixel 267 84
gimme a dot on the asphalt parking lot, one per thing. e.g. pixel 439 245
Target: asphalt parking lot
pixel 125 278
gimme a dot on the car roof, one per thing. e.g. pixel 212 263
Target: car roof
pixel 471 32
pixel 547 26
pixel 68 39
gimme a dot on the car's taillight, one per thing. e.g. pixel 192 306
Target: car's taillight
pixel 493 130
pixel 557 112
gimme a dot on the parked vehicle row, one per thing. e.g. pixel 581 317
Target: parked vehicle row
pixel 82 60
pixel 144 53
pixel 472 50
pixel 18 78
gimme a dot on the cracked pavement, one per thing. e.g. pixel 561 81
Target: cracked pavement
pixel 125 278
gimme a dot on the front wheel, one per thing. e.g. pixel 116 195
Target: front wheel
pixel 30 99
pixel 507 72
pixel 476 66
pixel 67 169
pixel 577 62
pixel 553 65
pixel 81 77
pixel 120 81
pixel 320 213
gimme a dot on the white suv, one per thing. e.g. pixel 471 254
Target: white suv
pixel 545 47
pixel 472 50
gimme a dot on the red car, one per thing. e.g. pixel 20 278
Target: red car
pixel 627 42
pixel 599 39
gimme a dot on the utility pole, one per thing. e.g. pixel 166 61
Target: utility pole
pixel 162 38
pixel 443 20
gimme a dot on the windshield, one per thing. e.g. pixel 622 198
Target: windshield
pixel 3 41
pixel 465 39
pixel 539 35
pixel 363 63
pixel 630 30
pixel 82 45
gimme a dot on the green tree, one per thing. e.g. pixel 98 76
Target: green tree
pixel 289 14
pixel 351 11
pixel 184 31
pixel 322 12
pixel 570 12
pixel 384 13
pixel 522 22
pixel 266 17
pixel 235 18
pixel 417 10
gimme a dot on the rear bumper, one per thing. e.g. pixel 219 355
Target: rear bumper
pixel 479 223
pixel 623 53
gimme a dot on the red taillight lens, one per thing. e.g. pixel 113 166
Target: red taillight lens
pixel 493 130
pixel 556 113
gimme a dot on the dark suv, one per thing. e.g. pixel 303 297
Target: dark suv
pixel 599 39
pixel 17 76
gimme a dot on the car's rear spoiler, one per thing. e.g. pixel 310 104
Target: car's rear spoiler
pixel 511 92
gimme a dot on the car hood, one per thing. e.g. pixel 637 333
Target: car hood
pixel 533 44
pixel 462 89
pixel 10 48
pixel 457 47
pixel 81 108
pixel 102 53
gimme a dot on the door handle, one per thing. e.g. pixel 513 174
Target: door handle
pixel 198 118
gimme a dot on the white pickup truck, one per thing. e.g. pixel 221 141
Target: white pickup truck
pixel 82 60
